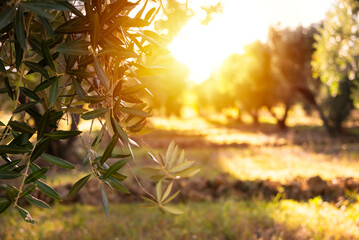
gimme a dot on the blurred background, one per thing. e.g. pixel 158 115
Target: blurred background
pixel 263 95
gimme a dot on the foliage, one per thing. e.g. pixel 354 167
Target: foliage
pixel 248 79
pixel 59 58
pixel 336 60
pixel 177 15
pixel 168 86
pixel 292 51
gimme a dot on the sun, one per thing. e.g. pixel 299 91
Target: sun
pixel 202 48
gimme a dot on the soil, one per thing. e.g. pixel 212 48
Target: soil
pixel 337 191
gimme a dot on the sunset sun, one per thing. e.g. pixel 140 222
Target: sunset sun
pixel 203 47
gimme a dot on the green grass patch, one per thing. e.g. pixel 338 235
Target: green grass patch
pixel 226 219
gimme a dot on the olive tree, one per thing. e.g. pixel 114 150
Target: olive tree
pixel 59 58
pixel 335 61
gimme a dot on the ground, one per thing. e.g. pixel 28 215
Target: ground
pixel 233 157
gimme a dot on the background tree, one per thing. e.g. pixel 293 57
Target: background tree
pixel 167 86
pixel 247 79
pixel 292 51
pixel 336 61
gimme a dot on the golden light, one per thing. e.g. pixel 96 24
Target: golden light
pixel 203 47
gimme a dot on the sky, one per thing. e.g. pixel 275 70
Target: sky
pixel 204 47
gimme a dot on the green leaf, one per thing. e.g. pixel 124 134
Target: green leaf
pixel 2 124
pixel 24 106
pixel 57 161
pixel 36 175
pixel 4 204
pixel 109 149
pixel 150 201
pixel 20 28
pixel 117 185
pixel 86 159
pixel 116 126
pixel 2 67
pixel 95 30
pixel 118 52
pixel 13 149
pixel 47 25
pixel 95 99
pixel 34 168
pixel 22 140
pixel 58 135
pixel 25 215
pixel 44 122
pixel 47 55
pixel 35 45
pixel 28 190
pixel 54 91
pixel 35 67
pixel 101 74
pixel 181 158
pixel 77 47
pixel 94 114
pixel 170 151
pixel 10 165
pixel 75 25
pixel 45 84
pixel 133 89
pixel 78 185
pixel 79 90
pixel 47 190
pixel 134 112
pixel 115 167
pixel 152 170
pixel 172 197
pixel 30 94
pixel 139 14
pixel 79 73
pixel 21 127
pixel 71 7
pixel 9 88
pixel 4 174
pixel 167 192
pixel 37 10
pixel 36 202
pixel 182 166
pixel 118 176
pixel 189 172
pixel 173 158
pixel 40 148
pixel 18 55
pixel 104 200
pixel 149 14
pixel 172 209
pixel 159 190
pixel 55 116
pixel 47 5
pixel 6 16
pixel 116 155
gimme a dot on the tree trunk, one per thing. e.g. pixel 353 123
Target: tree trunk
pixel 254 114
pixel 309 96
pixel 281 122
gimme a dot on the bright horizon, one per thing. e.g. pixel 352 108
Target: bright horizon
pixel 204 47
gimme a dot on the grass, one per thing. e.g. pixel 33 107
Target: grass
pixel 244 153
pixel 226 219
pixel 285 163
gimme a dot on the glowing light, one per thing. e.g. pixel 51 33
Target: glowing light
pixel 204 47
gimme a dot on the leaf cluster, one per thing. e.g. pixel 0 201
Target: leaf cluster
pixel 60 58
